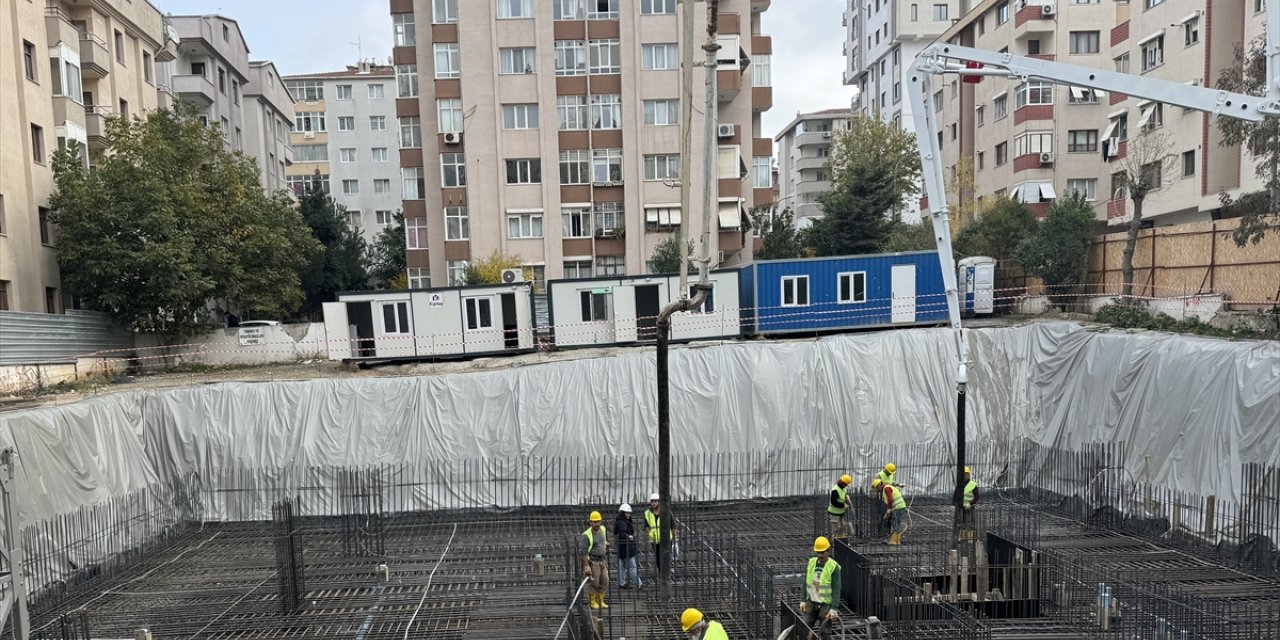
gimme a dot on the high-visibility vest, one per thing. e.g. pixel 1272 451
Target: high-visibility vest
pixel 885 477
pixel 968 492
pixel 840 494
pixel 591 539
pixel 655 526
pixel 715 631
pixel 898 502
pixel 824 584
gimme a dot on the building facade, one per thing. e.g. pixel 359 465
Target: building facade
pixel 550 130
pixel 1035 140
pixel 804 147
pixel 345 128
pixel 268 110
pixel 67 66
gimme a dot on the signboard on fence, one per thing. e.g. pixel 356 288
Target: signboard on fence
pixel 252 336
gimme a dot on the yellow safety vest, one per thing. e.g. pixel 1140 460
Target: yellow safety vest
pixel 824 586
pixel 898 502
pixel 840 493
pixel 715 631
pixel 655 528
pixel 968 492
pixel 591 539
pixel 886 477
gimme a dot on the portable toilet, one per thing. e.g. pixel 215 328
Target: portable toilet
pixel 977 281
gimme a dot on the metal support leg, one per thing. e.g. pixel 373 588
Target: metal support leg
pixel 16 599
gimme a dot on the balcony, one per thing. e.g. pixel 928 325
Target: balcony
pixel 1035 18
pixel 194 89
pixel 67 110
pixel 761 99
pixel 58 27
pixel 760 5
pixel 95 126
pixel 811 162
pixel 728 84
pixel 95 60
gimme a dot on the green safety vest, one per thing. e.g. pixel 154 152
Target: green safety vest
pixel 898 502
pixel 837 511
pixel 655 526
pixel 715 631
pixel 591 539
pixel 824 586
pixel 968 492
pixel 886 477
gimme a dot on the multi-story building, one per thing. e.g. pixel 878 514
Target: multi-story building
pixel 1035 140
pixel 64 67
pixel 268 109
pixel 804 147
pixel 550 130
pixel 345 128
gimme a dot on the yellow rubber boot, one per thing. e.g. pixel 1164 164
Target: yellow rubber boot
pixel 600 598
pixel 593 599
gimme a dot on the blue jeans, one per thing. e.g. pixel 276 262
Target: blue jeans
pixel 629 565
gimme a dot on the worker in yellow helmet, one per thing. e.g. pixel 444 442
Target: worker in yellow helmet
pixel 889 476
pixel 968 498
pixel 895 506
pixel 837 505
pixel 693 623
pixel 821 603
pixel 595 545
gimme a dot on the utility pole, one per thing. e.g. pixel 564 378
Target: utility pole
pixel 683 302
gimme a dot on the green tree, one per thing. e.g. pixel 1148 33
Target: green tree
pixel 489 270
pixel 1259 210
pixel 853 221
pixel 997 230
pixel 385 260
pixel 339 265
pixel 1057 251
pixel 666 256
pixel 873 143
pixel 781 240
pixel 168 220
pixel 907 236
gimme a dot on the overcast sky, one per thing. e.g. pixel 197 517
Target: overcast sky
pixel 305 36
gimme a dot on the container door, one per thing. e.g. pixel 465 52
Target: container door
pixel 904 293
pixel 337 333
pixel 481 331
pixel 624 314
pixel 984 288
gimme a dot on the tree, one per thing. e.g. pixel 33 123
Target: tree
pixel 489 270
pixel 339 264
pixel 781 240
pixel 1146 168
pixel 169 220
pixel 1261 209
pixel 962 206
pixel 872 143
pixel 907 236
pixel 385 259
pixel 997 231
pixel 1057 251
pixel 666 256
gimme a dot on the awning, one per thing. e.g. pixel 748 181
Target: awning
pixel 1146 115
pixel 1000 95
pixel 1142 104
pixel 1100 93
pixel 1151 37
pixel 731 214
pixel 1016 193
pixel 1191 16
pixel 662 215
pixel 1111 128
pixel 1046 191
pixel 1116 114
pixel 1077 93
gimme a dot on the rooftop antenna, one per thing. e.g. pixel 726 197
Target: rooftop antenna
pixel 359 49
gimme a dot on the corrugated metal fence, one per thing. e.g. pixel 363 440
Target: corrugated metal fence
pixel 43 338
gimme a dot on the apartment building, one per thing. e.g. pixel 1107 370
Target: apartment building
pixel 267 110
pixel 1035 140
pixel 804 147
pixel 345 128
pixel 64 67
pixel 550 130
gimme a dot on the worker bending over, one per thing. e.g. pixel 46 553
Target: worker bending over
pixel 821 590
pixel 596 541
pixel 837 505
pixel 697 627
pixel 894 508
pixel 967 500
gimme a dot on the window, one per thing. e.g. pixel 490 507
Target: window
pixel 395 318
pixel 377 123
pixel 384 217
pixel 937 101
pixel 1033 47
pixel 447 63
pixel 1191 31
pixel 453 170
pixel 350 187
pixel 382 186
pixel 606 57
pixel 407 75
pixel 299 184
pixel 1032 142
pixel 520 116
pixel 65 78
pixel 1084 41
pixel 655 7
pixel 1154 3
pixel 29 60
pixel 457 225
pixel 762 172
pixel 1259 6
pixel 1153 53
pixel 411 132
pixel 1079 95
pixel 4 295
pixel 1122 63
pixel 379 154
pixel 575 222
pixel 515 9
pixel 419 277
pixel 980 115
pixel 1001 107
pixel 347 156
pixel 571 113
pixel 571 58
pixel 406 33
pixel 414 183
pixel 376 92
pixel 708 304
pixel 570 9
pixel 524 225
pixel 222 80
pixel 656 57
pixel 479 313
pixel 982 160
pixel 1002 153
pixel 444 11
pixel 1034 92
pixel 611 266
pixel 524 171
pixel 1151 174
pixel 574 167
pixel 661 112
pixel 762 70
pixel 515 60
pixel 602 9
pixel 795 291
pixel 606 111
pixel 343 91
pixel 573 270
pixel 1082 140
pixel 448 114
pixel 124 113
pixel 661 218
pixel 897 92
pixel 939 12
pixel 1002 13
pixel 1087 187
pixel 1152 117
pixel 37 144
pixel 1118 129
pixel 457 272
pixel 197 69
pixel 346 123
pixel 119 42
pixel 50 300
pixel 1188 163
pixel 852 287
pixel 662 167
pixel 915 13
pixel 608 218
pixel 595 306
pixel 46 227
pixel 3 225
pixel 606 165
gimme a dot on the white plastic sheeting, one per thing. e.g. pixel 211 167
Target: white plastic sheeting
pixel 1190 411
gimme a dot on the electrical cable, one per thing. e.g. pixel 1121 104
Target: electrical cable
pixel 426 588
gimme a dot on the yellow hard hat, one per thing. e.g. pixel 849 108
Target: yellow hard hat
pixel 846 478
pixel 689 618
pixel 595 517
pixel 966 470
pixel 891 468
pixel 821 544
pixel 875 484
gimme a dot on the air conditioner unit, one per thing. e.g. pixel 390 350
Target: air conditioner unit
pixel 1046 158
pixel 453 137
pixel 726 130
pixel 308 134
pixel 1047 10
pixel 511 276
pixel 826 134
